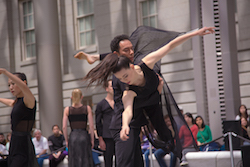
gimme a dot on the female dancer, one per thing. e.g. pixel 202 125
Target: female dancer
pixel 141 80
pixel 22 120
pixel 79 143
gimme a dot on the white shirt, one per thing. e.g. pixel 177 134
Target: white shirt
pixel 3 150
pixel 40 145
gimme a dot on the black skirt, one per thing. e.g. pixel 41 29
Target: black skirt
pixel 22 152
pixel 80 152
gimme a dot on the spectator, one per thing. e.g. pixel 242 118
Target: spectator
pixel 204 134
pixel 2 139
pixel 104 112
pixel 242 113
pixel 245 129
pixel 187 138
pixel 145 146
pixel 160 153
pixel 96 151
pixel 8 141
pixel 41 146
pixel 80 140
pixel 3 150
pixel 3 153
pixel 56 144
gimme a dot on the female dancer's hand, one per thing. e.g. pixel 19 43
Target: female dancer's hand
pixel 124 133
pixel 206 30
pixel 2 70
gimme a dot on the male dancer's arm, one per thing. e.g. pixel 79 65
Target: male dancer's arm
pixel 91 58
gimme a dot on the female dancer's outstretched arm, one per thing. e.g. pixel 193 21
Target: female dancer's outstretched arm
pixel 7 102
pixel 155 56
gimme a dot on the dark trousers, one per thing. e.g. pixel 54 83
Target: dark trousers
pixel 128 153
pixel 110 151
pixel 53 162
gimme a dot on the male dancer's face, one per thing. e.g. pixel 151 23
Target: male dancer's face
pixel 126 49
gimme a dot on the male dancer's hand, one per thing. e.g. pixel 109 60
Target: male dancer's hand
pixel 102 144
pixel 124 133
pixel 90 58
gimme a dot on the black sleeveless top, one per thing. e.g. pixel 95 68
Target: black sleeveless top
pixel 78 117
pixel 22 118
pixel 148 94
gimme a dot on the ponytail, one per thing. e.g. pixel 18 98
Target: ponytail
pixel 103 70
pixel 112 63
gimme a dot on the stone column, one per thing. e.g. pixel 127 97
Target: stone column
pixel 48 64
pixel 198 59
pixel 221 63
pixel 229 58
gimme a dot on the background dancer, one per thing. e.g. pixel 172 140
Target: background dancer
pixel 104 112
pixel 79 142
pixel 22 151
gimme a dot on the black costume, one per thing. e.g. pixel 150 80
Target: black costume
pixel 104 114
pixel 80 153
pixel 22 152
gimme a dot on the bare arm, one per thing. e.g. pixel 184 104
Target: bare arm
pixel 155 56
pixel 91 125
pixel 29 99
pixel 65 120
pixel 42 152
pixel 7 102
pixel 127 99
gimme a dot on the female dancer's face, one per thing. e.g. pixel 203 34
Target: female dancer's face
pixel 125 75
pixel 14 89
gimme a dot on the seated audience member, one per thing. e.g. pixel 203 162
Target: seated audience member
pixel 204 134
pixel 187 138
pixel 242 113
pixel 245 130
pixel 2 139
pixel 96 151
pixel 160 153
pixel 145 147
pixel 41 146
pixel 8 141
pixel 3 153
pixel 57 146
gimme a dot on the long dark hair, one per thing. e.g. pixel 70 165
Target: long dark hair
pixel 112 63
pixel 23 77
pixel 203 124
pixel 190 116
pixel 245 111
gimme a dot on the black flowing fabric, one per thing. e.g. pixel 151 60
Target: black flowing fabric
pixel 148 39
pixel 177 121
pixel 145 40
